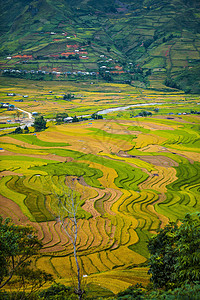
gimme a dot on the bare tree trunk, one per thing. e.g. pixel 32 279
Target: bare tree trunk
pixel 79 291
pixel 68 204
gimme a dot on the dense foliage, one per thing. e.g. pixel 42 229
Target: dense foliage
pixel 60 117
pixel 18 247
pixel 175 254
pixel 184 293
pixel 58 291
pixel 142 39
pixel 40 124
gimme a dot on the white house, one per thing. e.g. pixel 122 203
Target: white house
pixel 68 119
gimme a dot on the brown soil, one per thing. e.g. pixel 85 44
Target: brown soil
pixel 159 160
pixel 14 211
pixel 154 148
pixel 156 160
pixel 7 173
pixel 9 208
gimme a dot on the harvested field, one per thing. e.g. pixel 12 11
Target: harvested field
pixel 161 161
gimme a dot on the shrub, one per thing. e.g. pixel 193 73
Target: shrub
pixel 59 292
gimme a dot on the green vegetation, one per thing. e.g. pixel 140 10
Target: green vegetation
pixel 39 124
pixel 174 259
pixel 139 293
pixel 128 138
pixel 19 244
pixel 141 44
pixel 90 175
pixel 34 140
pixel 187 193
pixel 174 265
pixel 134 170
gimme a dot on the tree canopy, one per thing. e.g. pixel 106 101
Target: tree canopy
pixel 18 246
pixel 18 130
pixel 175 254
pixel 60 117
pixel 40 124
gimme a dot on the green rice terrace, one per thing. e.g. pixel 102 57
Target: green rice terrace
pixel 117 84
pixel 135 170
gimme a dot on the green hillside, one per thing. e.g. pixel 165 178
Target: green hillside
pixel 146 43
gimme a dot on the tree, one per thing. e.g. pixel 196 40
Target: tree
pixel 60 290
pixel 95 116
pixel 187 267
pixel 18 114
pixel 26 129
pixel 68 96
pixel 175 254
pixel 39 124
pixel 60 117
pixel 75 119
pixel 163 256
pixel 18 246
pixel 139 292
pixel 18 130
pixel 108 48
pixel 148 42
pixel 145 113
pixel 30 280
pixel 67 214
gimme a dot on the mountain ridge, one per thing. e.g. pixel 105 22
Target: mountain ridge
pixel 152 41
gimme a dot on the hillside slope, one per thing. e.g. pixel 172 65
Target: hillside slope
pixel 146 43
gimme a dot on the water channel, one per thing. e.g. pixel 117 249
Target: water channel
pixel 109 110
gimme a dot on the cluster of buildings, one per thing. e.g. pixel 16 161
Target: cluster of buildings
pixel 39 72
pixel 7 105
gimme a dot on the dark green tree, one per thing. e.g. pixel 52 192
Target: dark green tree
pixel 75 119
pixel 68 96
pixel 59 290
pixel 175 254
pixel 18 247
pixel 60 117
pixel 18 130
pixel 187 267
pixel 30 280
pixel 26 129
pixel 96 116
pixel 40 124
pixel 145 113
pixel 163 256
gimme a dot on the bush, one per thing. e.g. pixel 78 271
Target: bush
pixel 59 292
pixel 186 292
pixel 175 254
pixel 133 292
pixel 39 124
pixel 18 130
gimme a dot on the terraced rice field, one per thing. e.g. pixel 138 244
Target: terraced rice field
pixel 133 176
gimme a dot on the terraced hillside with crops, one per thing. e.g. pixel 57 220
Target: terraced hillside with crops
pixel 133 173
pixel 118 84
pixel 144 43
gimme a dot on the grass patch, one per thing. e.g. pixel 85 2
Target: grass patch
pixel 34 140
pixel 18 197
pixel 103 133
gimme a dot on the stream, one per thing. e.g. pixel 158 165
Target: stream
pixel 109 110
